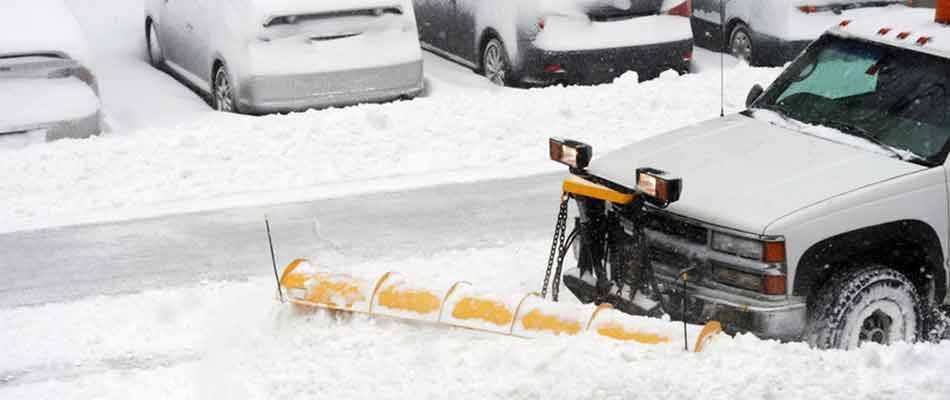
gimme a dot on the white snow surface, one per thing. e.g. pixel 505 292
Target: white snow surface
pixel 36 26
pixel 234 341
pixel 304 155
pixel 566 33
pixel 31 101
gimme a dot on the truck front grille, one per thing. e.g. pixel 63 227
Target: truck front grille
pixel 666 224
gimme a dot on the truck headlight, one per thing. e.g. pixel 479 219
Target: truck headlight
pixel 570 152
pixel 765 251
pixel 660 188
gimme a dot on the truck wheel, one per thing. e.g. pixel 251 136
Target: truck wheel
pixel 875 304
pixel 740 43
pixel 495 64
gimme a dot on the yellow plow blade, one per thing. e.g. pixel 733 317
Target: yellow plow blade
pixel 464 306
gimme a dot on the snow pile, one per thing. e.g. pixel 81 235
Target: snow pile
pixel 234 341
pixel 286 155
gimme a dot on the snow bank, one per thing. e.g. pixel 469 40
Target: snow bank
pixel 232 340
pixel 224 155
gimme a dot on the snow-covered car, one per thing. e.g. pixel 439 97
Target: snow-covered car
pixel 541 42
pixel 47 88
pixel 818 214
pixel 773 32
pixel 262 56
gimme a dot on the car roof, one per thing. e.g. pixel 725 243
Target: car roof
pixel 912 29
pixel 41 26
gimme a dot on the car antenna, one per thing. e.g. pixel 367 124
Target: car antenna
pixel 722 58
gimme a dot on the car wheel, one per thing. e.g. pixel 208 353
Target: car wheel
pixel 740 43
pixel 495 64
pixel 223 91
pixel 875 304
pixel 156 56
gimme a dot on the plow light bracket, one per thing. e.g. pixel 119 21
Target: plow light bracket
pixel 659 187
pixel 572 153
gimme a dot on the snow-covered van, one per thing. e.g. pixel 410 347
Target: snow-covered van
pixel 773 32
pixel 47 89
pixel 820 213
pixel 542 42
pixel 261 56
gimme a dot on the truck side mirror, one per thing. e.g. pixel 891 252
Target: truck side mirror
pixel 754 94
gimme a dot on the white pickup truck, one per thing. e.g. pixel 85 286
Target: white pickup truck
pixel 818 214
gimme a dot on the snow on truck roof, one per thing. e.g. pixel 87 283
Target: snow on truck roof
pixel 38 26
pixel 912 29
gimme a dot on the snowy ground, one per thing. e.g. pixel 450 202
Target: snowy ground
pixel 490 133
pixel 233 340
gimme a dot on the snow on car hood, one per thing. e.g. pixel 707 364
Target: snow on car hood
pixel 743 173
pixel 40 26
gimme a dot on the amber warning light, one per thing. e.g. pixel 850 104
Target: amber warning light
pixel 943 12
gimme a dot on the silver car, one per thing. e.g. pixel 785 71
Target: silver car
pixel 47 90
pixel 263 56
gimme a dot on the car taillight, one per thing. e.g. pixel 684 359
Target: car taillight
pixel 684 9
pixel 541 23
pixel 808 9
pixel 688 55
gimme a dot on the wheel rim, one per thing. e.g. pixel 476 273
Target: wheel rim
pixel 222 91
pixel 496 67
pixel 741 45
pixel 876 328
pixel 154 48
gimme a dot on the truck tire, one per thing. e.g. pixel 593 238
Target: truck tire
pixel 873 304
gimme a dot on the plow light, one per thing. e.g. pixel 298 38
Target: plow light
pixel 658 186
pixel 572 153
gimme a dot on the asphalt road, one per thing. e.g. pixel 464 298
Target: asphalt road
pixel 64 264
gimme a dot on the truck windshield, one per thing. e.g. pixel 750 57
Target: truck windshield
pixel 893 97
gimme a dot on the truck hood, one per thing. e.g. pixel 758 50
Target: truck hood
pixel 743 173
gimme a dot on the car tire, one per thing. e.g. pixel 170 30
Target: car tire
pixel 874 304
pixel 222 91
pixel 496 65
pixel 156 55
pixel 740 43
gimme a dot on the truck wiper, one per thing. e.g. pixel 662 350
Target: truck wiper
pixel 862 133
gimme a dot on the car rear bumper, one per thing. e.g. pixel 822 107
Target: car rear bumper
pixel 604 65
pixel 285 93
pixel 773 51
pixel 74 128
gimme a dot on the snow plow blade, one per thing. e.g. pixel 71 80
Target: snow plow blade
pixel 464 306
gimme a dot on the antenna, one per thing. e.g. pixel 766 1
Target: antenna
pixel 273 259
pixel 722 58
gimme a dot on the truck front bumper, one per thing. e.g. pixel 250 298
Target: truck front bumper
pixel 596 66
pixel 771 320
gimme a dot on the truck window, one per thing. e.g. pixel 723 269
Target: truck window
pixel 894 96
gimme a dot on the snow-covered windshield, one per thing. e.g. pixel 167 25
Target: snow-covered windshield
pixel 893 97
